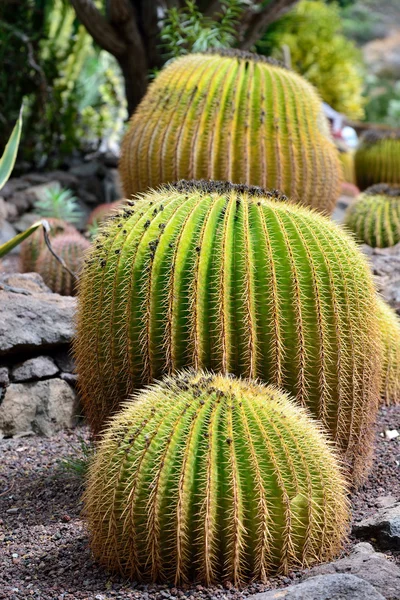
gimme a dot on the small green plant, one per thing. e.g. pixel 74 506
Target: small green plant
pixel 205 477
pixel 59 203
pixel 79 462
pixel 235 280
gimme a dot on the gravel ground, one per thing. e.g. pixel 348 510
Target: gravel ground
pixel 44 550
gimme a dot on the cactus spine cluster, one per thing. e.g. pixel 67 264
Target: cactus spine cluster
pixel 71 248
pixel 390 330
pixel 33 245
pixel 377 158
pixel 232 116
pixel 232 279
pixel 207 477
pixel 375 216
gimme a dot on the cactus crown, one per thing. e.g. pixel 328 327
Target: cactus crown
pixel 373 136
pixel 232 116
pixel 383 189
pixel 206 477
pixel 245 55
pixel 232 282
pixel 71 248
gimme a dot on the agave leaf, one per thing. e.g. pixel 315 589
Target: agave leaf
pixel 7 161
pixel 8 246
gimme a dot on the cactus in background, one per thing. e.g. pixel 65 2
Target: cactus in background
pixel 206 477
pixel 390 330
pixel 71 248
pixel 32 246
pixel 377 158
pixel 375 216
pixel 233 116
pixel 102 212
pixel 232 279
pixel 347 160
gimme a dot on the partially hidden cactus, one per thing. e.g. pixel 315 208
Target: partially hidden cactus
pixel 206 477
pixel 32 246
pixel 71 248
pixel 389 324
pixel 232 279
pixel 233 116
pixel 347 160
pixel 374 217
pixel 377 158
pixel 103 212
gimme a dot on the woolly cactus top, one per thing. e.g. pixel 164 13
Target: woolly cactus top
pixel 246 55
pixel 373 136
pixel 383 189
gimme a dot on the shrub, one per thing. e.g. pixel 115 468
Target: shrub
pixel 232 279
pixel 206 477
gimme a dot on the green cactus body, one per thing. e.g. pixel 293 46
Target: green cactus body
pixel 232 116
pixel 390 330
pixel 33 245
pixel 231 279
pixel 103 212
pixel 374 217
pixel 377 158
pixel 347 160
pixel 206 477
pixel 71 248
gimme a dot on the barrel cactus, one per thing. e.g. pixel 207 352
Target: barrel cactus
pixel 375 216
pixel 377 158
pixel 233 116
pixel 71 248
pixel 232 279
pixel 102 212
pixel 347 160
pixel 33 245
pixel 390 330
pixel 206 477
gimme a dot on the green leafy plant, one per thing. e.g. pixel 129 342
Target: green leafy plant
pixel 9 156
pixel 59 203
pixel 204 477
pixel 235 280
pixel 313 33
pixel 83 454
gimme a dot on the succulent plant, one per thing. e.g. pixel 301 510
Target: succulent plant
pixel 233 116
pixel 32 246
pixel 377 158
pixel 390 330
pixel 59 203
pixel 71 248
pixel 374 217
pixel 206 477
pixel 230 278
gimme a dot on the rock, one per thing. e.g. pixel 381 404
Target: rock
pixel 369 565
pixel 70 378
pixel 7 232
pixel 385 265
pixel 31 317
pixel 34 368
pixel 4 377
pixel 382 56
pixel 25 221
pixel 43 407
pixel 324 587
pixel 383 527
pixel 64 361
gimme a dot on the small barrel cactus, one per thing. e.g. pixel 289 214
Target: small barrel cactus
pixel 205 477
pixel 71 248
pixel 103 212
pixel 377 158
pixel 347 160
pixel 233 116
pixel 375 216
pixel 232 279
pixel 33 245
pixel 390 330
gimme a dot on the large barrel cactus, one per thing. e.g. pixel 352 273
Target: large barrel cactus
pixel 233 116
pixel 206 477
pixel 375 216
pixel 231 279
pixel 390 330
pixel 377 158
pixel 34 244
pixel 71 248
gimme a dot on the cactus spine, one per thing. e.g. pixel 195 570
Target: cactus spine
pixel 207 477
pixel 390 330
pixel 232 116
pixel 33 245
pixel 375 216
pixel 69 247
pixel 230 278
pixel 377 158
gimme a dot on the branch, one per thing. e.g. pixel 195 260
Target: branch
pixel 99 28
pixel 259 21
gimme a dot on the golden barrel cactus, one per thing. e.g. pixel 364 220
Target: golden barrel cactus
pixel 32 246
pixel 377 158
pixel 232 279
pixel 232 116
pixel 389 323
pixel 209 478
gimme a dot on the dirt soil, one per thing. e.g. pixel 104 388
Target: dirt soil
pixel 44 551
